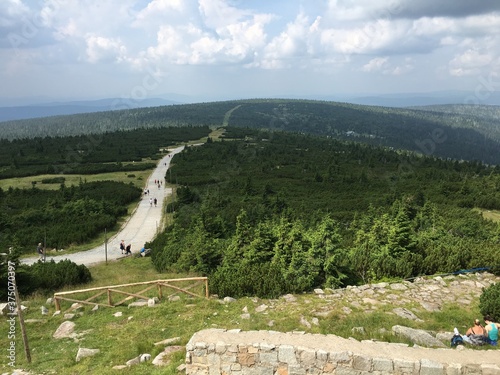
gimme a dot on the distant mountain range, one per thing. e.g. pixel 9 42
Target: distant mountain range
pixel 396 100
pixel 426 99
pixel 74 107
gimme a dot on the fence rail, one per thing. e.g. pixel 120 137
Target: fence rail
pixel 91 295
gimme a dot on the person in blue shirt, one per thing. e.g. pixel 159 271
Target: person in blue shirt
pixel 491 330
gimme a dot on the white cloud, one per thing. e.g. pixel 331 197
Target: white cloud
pixel 220 35
pixel 362 10
pixel 330 37
pixel 470 62
pixel 104 49
pixel 375 64
pixel 11 11
pixel 295 42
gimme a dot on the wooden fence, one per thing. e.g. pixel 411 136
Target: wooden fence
pixel 103 296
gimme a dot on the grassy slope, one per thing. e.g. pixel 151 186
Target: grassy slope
pixel 123 338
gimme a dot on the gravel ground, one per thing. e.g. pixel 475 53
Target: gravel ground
pixel 140 228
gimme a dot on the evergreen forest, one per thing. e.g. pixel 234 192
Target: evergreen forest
pixel 462 132
pixel 268 213
pixel 75 215
pixel 295 195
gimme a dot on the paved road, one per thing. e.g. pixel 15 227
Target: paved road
pixel 140 228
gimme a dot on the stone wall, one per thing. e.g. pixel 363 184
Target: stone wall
pixel 215 351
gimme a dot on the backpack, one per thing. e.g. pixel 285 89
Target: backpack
pixel 456 340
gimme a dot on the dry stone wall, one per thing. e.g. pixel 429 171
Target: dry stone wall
pixel 217 352
pixel 220 351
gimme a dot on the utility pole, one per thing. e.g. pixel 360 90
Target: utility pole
pixel 21 322
pixel 106 244
pixel 44 245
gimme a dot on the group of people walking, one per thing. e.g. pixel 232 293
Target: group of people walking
pixel 127 250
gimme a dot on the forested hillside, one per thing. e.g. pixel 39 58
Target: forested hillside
pixel 74 215
pixel 269 213
pixel 465 132
pixel 95 153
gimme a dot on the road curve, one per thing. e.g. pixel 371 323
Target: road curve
pixel 140 228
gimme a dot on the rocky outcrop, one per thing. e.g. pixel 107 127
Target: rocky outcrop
pixel 418 336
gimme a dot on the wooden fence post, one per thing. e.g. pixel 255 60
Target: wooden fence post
pixel 160 296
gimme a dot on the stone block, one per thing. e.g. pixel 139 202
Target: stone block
pixel 347 371
pixel 321 358
pixel 199 353
pixel 454 369
pixel 402 366
pixel 199 360
pixel 282 370
pixel 286 354
pixel 339 357
pixel 246 359
pixel 213 370
pixel 220 348
pixel 200 345
pixel 235 367
pixel 213 360
pixel 261 370
pixel 226 368
pixel 229 358
pixel 271 358
pixel 253 349
pixel 329 367
pixel 296 370
pixel 490 369
pixel 361 362
pixel 265 347
pixel 307 357
pixel 471 369
pixel 428 367
pixel 382 365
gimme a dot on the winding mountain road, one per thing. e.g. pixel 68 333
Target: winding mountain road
pixel 140 228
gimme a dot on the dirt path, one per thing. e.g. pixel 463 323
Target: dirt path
pixel 140 228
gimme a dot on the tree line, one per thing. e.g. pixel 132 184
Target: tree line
pixel 89 154
pixel 462 132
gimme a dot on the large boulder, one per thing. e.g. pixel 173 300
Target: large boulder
pixel 418 336
pixel 84 352
pixel 65 330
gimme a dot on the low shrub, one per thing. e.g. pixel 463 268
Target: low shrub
pixel 54 180
pixel 489 301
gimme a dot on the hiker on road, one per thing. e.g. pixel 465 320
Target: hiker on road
pixel 40 251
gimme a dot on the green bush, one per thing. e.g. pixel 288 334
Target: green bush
pixel 41 277
pixel 489 302
pixel 53 180
pixel 50 276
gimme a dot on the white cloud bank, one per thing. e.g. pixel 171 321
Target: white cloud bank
pixel 339 40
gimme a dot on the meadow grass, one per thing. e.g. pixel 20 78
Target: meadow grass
pixel 135 332
pixel 138 178
pixel 492 215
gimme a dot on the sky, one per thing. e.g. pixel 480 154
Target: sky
pixel 204 50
